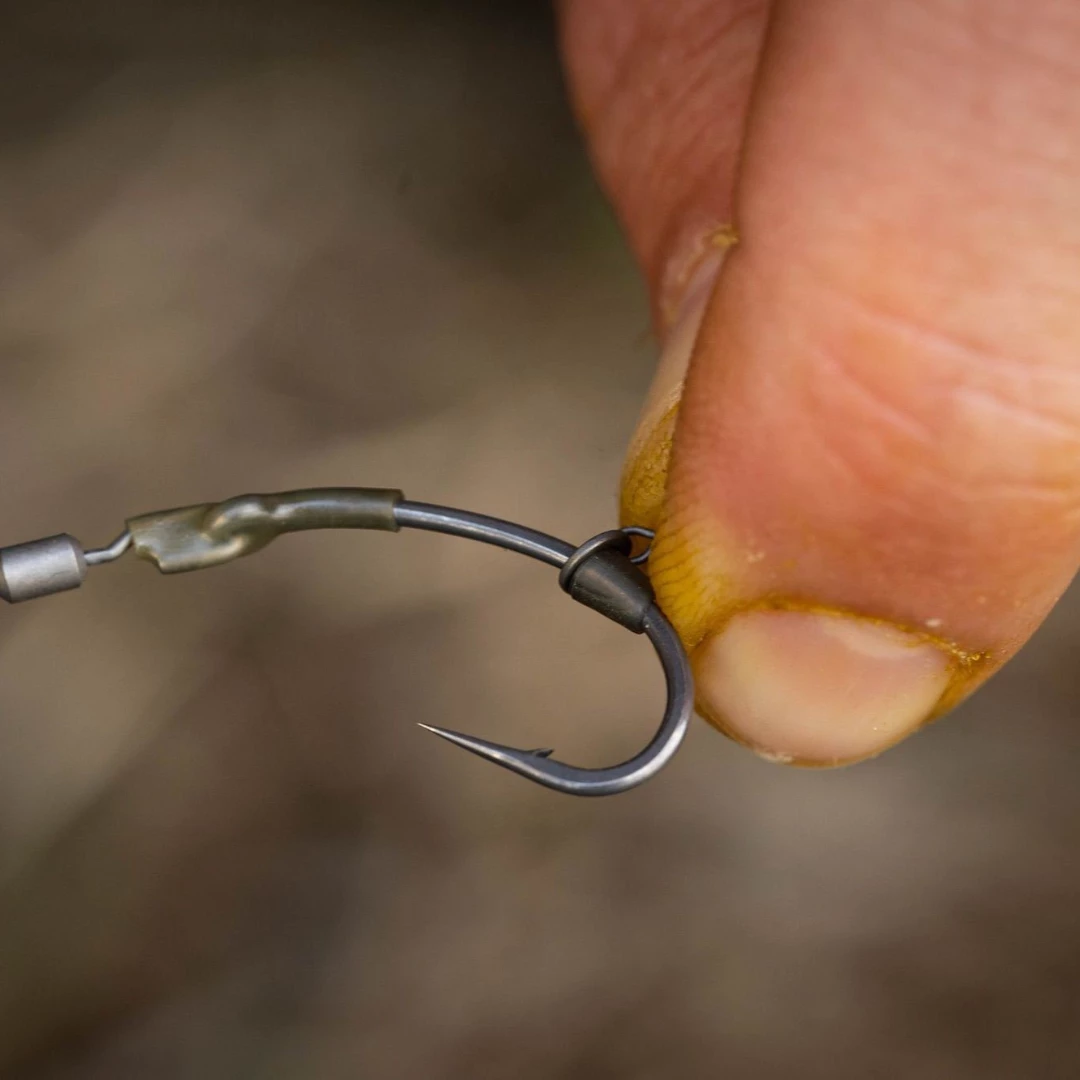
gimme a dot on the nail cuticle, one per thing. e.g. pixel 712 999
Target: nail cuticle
pixel 709 247
pixel 965 658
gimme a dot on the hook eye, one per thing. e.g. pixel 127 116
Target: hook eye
pixel 649 535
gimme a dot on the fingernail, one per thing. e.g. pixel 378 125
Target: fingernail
pixel 645 474
pixel 818 688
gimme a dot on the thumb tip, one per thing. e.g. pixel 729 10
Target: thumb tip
pixel 819 687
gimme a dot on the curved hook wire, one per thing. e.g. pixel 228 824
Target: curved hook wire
pixel 538 765
pixel 599 573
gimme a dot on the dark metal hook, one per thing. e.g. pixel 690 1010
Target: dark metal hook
pixel 599 573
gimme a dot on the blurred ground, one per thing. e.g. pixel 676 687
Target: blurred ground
pixel 257 246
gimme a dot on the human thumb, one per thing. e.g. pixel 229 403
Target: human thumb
pixel 862 455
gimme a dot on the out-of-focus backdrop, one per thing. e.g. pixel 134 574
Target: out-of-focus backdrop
pixel 258 245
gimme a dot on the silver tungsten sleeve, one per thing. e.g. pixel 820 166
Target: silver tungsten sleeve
pixel 41 567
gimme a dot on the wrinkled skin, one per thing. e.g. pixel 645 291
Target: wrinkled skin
pixel 862 451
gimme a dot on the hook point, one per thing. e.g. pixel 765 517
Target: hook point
pixel 507 756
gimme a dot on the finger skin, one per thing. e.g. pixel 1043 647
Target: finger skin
pixel 661 89
pixel 881 417
pixel 889 369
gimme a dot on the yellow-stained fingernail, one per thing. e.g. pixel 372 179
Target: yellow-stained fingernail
pixel 818 688
pixel 645 474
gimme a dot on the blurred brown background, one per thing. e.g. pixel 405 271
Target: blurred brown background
pixel 264 245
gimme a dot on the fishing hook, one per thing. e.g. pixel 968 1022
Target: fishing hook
pixel 600 573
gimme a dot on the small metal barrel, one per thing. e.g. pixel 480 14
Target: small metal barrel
pixel 41 567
